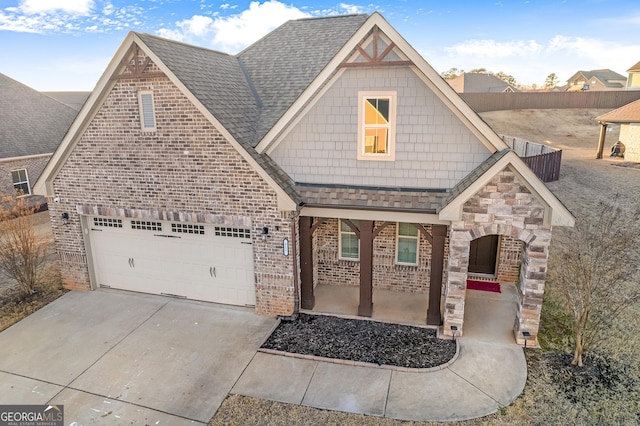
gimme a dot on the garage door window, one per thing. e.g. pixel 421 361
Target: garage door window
pixel 232 232
pixel 146 226
pixel 187 228
pixel 107 222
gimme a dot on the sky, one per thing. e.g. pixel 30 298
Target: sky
pixel 65 45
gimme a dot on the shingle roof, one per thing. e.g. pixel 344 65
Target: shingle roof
pixel 282 64
pixel 479 83
pixel 343 196
pixel 636 67
pixel 606 76
pixel 30 122
pixel 73 99
pixel 475 174
pixel 629 113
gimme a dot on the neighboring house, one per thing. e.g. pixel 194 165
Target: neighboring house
pixel 31 127
pixel 596 80
pixel 327 153
pixel 628 117
pixel 633 82
pixel 480 83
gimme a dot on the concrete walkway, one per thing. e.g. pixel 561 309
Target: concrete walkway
pixel 113 357
pixel 484 378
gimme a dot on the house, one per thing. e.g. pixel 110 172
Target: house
pixel 480 83
pixel 328 153
pixel 596 80
pixel 31 127
pixel 633 82
pixel 73 99
pixel 628 117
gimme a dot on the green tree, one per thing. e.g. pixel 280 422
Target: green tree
pixel 551 81
pixel 452 73
pixel 506 77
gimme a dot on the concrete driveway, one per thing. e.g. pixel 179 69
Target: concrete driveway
pixel 115 357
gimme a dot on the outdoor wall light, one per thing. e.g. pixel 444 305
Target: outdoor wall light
pixel 526 336
pixel 265 231
pixel 65 218
pixel 454 328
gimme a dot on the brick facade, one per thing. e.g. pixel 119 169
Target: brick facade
pixel 504 207
pixel 184 171
pixel 387 275
pixel 33 165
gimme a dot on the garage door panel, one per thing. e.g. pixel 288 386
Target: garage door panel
pixel 190 260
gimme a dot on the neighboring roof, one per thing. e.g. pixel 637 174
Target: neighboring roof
pixel 73 99
pixel 30 122
pixel 629 113
pixel 606 76
pixel 636 67
pixel 479 83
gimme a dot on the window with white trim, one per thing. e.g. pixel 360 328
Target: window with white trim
pixel 376 126
pixel 407 242
pixel 348 242
pixel 147 111
pixel 21 182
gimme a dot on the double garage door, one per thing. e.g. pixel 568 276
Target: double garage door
pixel 195 261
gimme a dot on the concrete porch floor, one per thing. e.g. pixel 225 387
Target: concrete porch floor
pixel 488 317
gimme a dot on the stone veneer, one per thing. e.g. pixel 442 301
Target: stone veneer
pixel 506 207
pixel 185 171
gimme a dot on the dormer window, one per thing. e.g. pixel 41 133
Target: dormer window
pixel 147 112
pixel 376 126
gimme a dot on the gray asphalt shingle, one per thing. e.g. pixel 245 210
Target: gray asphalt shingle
pixel 30 122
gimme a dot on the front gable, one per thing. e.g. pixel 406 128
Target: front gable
pixel 437 138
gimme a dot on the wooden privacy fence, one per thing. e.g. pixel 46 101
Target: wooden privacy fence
pixel 543 160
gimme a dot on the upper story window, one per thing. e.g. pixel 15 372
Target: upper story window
pixel 376 126
pixel 21 182
pixel 407 239
pixel 147 113
pixel 348 241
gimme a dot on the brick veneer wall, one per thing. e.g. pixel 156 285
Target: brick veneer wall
pixel 505 207
pixel 386 274
pixel 34 167
pixel 184 171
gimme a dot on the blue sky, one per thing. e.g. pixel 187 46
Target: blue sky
pixel 67 44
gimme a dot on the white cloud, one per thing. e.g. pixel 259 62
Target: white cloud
pixel 495 49
pixel 79 7
pixel 531 61
pixel 351 8
pixel 238 31
pixel 234 32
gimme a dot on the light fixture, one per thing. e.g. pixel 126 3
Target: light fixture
pixel 526 336
pixel 265 231
pixel 454 328
pixel 65 218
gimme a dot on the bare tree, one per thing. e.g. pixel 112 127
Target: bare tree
pixel 595 272
pixel 21 254
pixel 551 81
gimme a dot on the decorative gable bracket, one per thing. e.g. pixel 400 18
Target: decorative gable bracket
pixel 375 59
pixel 136 66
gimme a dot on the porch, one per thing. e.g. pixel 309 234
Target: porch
pixel 489 317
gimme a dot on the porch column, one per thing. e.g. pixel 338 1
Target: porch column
pixel 531 287
pixel 439 233
pixel 603 135
pixel 365 308
pixel 455 290
pixel 307 298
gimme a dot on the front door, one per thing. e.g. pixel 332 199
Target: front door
pixel 483 255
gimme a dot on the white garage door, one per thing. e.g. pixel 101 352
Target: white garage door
pixel 200 262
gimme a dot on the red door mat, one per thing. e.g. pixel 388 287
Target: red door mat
pixel 483 285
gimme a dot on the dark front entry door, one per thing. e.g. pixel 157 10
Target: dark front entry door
pixel 483 255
